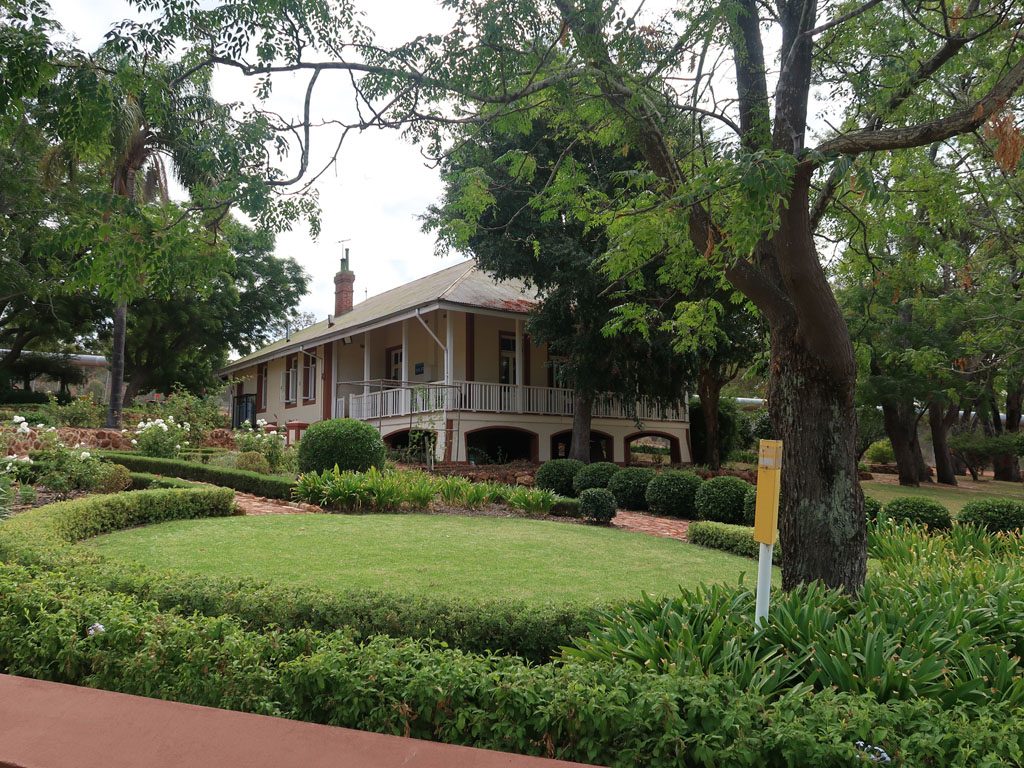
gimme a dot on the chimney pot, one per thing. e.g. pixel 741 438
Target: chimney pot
pixel 343 282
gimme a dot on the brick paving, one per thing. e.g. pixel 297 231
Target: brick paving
pixel 638 522
pixel 666 527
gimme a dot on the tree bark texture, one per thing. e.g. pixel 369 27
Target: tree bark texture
pixel 939 421
pixel 115 405
pixel 1006 466
pixel 709 391
pixel 901 426
pixel 581 419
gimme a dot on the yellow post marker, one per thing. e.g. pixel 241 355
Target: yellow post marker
pixel 766 519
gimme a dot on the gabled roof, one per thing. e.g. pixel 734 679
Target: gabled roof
pixel 463 284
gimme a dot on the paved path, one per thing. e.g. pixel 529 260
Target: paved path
pixel 667 527
pixel 639 522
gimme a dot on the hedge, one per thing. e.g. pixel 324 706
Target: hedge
pixel 672 492
pixel 609 714
pixel 557 475
pixel 914 509
pixel 269 486
pixel 594 475
pixel 349 444
pixel 737 539
pixel 721 499
pixel 41 536
pixel 994 515
pixel 142 481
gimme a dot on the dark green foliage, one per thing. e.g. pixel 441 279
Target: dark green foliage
pixel 994 515
pixel 21 396
pixel 976 449
pixel 873 509
pixel 142 481
pixel 728 429
pixel 749 505
pixel 721 499
pixel 672 492
pixel 914 509
pixel 880 452
pixel 349 444
pixel 597 505
pixel 736 539
pixel 566 507
pixel 629 487
pixel 269 486
pixel 761 427
pixel 557 475
pixel 112 478
pixel 594 475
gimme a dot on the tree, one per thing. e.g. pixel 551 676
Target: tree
pixel 749 197
pixel 562 259
pixel 176 342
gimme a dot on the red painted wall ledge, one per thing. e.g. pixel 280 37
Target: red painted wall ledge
pixel 51 725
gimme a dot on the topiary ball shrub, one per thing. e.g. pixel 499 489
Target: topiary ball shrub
pixel 913 509
pixel 354 446
pixel 594 475
pixel 880 452
pixel 994 515
pixel 671 493
pixel 629 487
pixel 112 478
pixel 749 505
pixel 721 499
pixel 253 461
pixel 557 475
pixel 872 508
pixel 597 505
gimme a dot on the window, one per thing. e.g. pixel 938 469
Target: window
pixel 308 378
pixel 506 358
pixel 261 387
pixel 289 380
pixel 393 364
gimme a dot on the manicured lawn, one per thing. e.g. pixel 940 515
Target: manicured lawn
pixel 952 498
pixel 472 557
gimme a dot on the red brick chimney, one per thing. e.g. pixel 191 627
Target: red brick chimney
pixel 343 282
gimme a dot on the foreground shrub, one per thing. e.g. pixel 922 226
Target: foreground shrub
pixel 672 492
pixel 161 438
pixel 721 499
pixel 994 515
pixel 270 486
pixel 112 478
pixel 269 445
pixel 348 444
pixel 914 509
pixel 597 505
pixel 629 487
pixel 749 505
pixel 880 452
pixel 594 475
pixel 872 509
pixel 557 476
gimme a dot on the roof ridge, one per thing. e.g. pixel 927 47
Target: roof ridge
pixel 459 279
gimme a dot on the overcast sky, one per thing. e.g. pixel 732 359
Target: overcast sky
pixel 372 198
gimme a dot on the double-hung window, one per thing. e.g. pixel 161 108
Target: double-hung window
pixel 308 378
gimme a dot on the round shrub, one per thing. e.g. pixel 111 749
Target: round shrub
pixel 749 505
pixel 112 478
pixel 629 487
pixel 721 499
pixel 671 493
pixel 872 508
pixel 913 509
pixel 346 443
pixel 994 515
pixel 594 475
pixel 880 452
pixel 597 505
pixel 253 461
pixel 556 475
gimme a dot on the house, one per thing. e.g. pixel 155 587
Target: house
pixel 446 354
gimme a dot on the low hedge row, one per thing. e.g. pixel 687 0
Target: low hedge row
pixel 269 486
pixel 737 539
pixel 142 481
pixel 610 714
pixel 41 537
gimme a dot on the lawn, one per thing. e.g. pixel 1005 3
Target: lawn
pixel 471 557
pixel 951 498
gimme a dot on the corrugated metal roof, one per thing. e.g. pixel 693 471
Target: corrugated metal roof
pixel 463 284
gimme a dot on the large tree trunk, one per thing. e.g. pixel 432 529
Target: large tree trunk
pixel 709 390
pixel 117 365
pixel 901 427
pixel 581 417
pixel 939 423
pixel 1006 466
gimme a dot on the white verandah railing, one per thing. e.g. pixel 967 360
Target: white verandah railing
pixel 492 398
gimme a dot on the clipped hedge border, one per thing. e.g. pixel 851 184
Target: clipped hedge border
pixel 736 539
pixel 617 715
pixel 42 536
pixel 268 486
pixel 144 481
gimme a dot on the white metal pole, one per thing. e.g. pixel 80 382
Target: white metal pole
pixel 764 583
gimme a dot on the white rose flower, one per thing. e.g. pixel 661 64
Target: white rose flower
pixel 40 426
pixel 18 419
pixel 177 447
pixel 23 428
pixel 96 629
pixel 86 454
pixel 135 442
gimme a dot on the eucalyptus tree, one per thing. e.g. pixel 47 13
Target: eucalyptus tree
pixel 748 197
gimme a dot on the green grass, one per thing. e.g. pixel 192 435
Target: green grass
pixel 471 557
pixel 952 498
